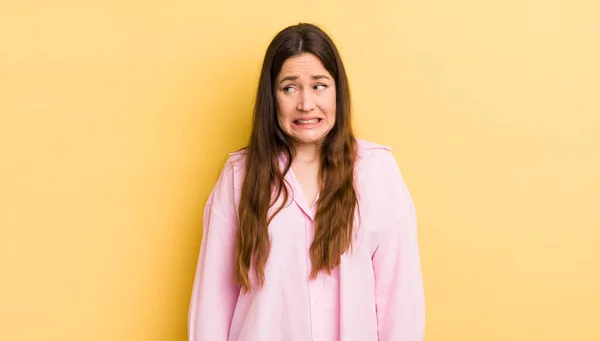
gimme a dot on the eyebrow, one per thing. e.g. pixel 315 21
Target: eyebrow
pixel 293 78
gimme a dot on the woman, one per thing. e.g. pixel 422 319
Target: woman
pixel 309 234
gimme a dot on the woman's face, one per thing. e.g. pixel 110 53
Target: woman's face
pixel 306 101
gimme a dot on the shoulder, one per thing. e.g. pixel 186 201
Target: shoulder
pixel 371 155
pixel 376 167
pixel 237 159
pixel 235 168
pixel 226 191
pixel 231 170
pixel 380 183
pixel 366 146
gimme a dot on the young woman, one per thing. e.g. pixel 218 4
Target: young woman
pixel 310 233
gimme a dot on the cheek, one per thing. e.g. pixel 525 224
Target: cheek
pixel 331 106
pixel 285 109
pixel 281 110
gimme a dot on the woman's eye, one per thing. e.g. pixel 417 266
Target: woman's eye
pixel 289 89
pixel 320 87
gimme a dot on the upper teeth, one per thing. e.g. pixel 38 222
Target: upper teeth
pixel 314 120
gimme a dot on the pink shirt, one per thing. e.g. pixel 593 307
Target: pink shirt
pixel 375 294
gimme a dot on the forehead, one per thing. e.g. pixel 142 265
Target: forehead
pixel 306 64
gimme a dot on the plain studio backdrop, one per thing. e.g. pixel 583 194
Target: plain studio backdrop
pixel 116 117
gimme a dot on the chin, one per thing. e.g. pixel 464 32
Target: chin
pixel 310 140
pixel 308 137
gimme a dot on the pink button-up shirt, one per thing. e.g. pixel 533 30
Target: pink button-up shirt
pixel 375 294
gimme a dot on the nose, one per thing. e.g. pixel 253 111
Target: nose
pixel 305 102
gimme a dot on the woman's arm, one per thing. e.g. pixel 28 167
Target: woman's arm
pixel 215 294
pixel 396 262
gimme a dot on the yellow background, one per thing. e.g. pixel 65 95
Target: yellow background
pixel 116 117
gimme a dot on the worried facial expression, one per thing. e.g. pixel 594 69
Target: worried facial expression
pixel 306 99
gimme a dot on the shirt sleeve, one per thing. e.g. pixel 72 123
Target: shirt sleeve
pixel 399 292
pixel 214 294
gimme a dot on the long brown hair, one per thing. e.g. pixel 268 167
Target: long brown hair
pixel 264 181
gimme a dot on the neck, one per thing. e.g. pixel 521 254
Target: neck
pixel 307 152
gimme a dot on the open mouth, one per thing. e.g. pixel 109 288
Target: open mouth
pixel 307 122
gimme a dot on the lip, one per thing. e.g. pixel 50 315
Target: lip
pixel 307 118
pixel 306 126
